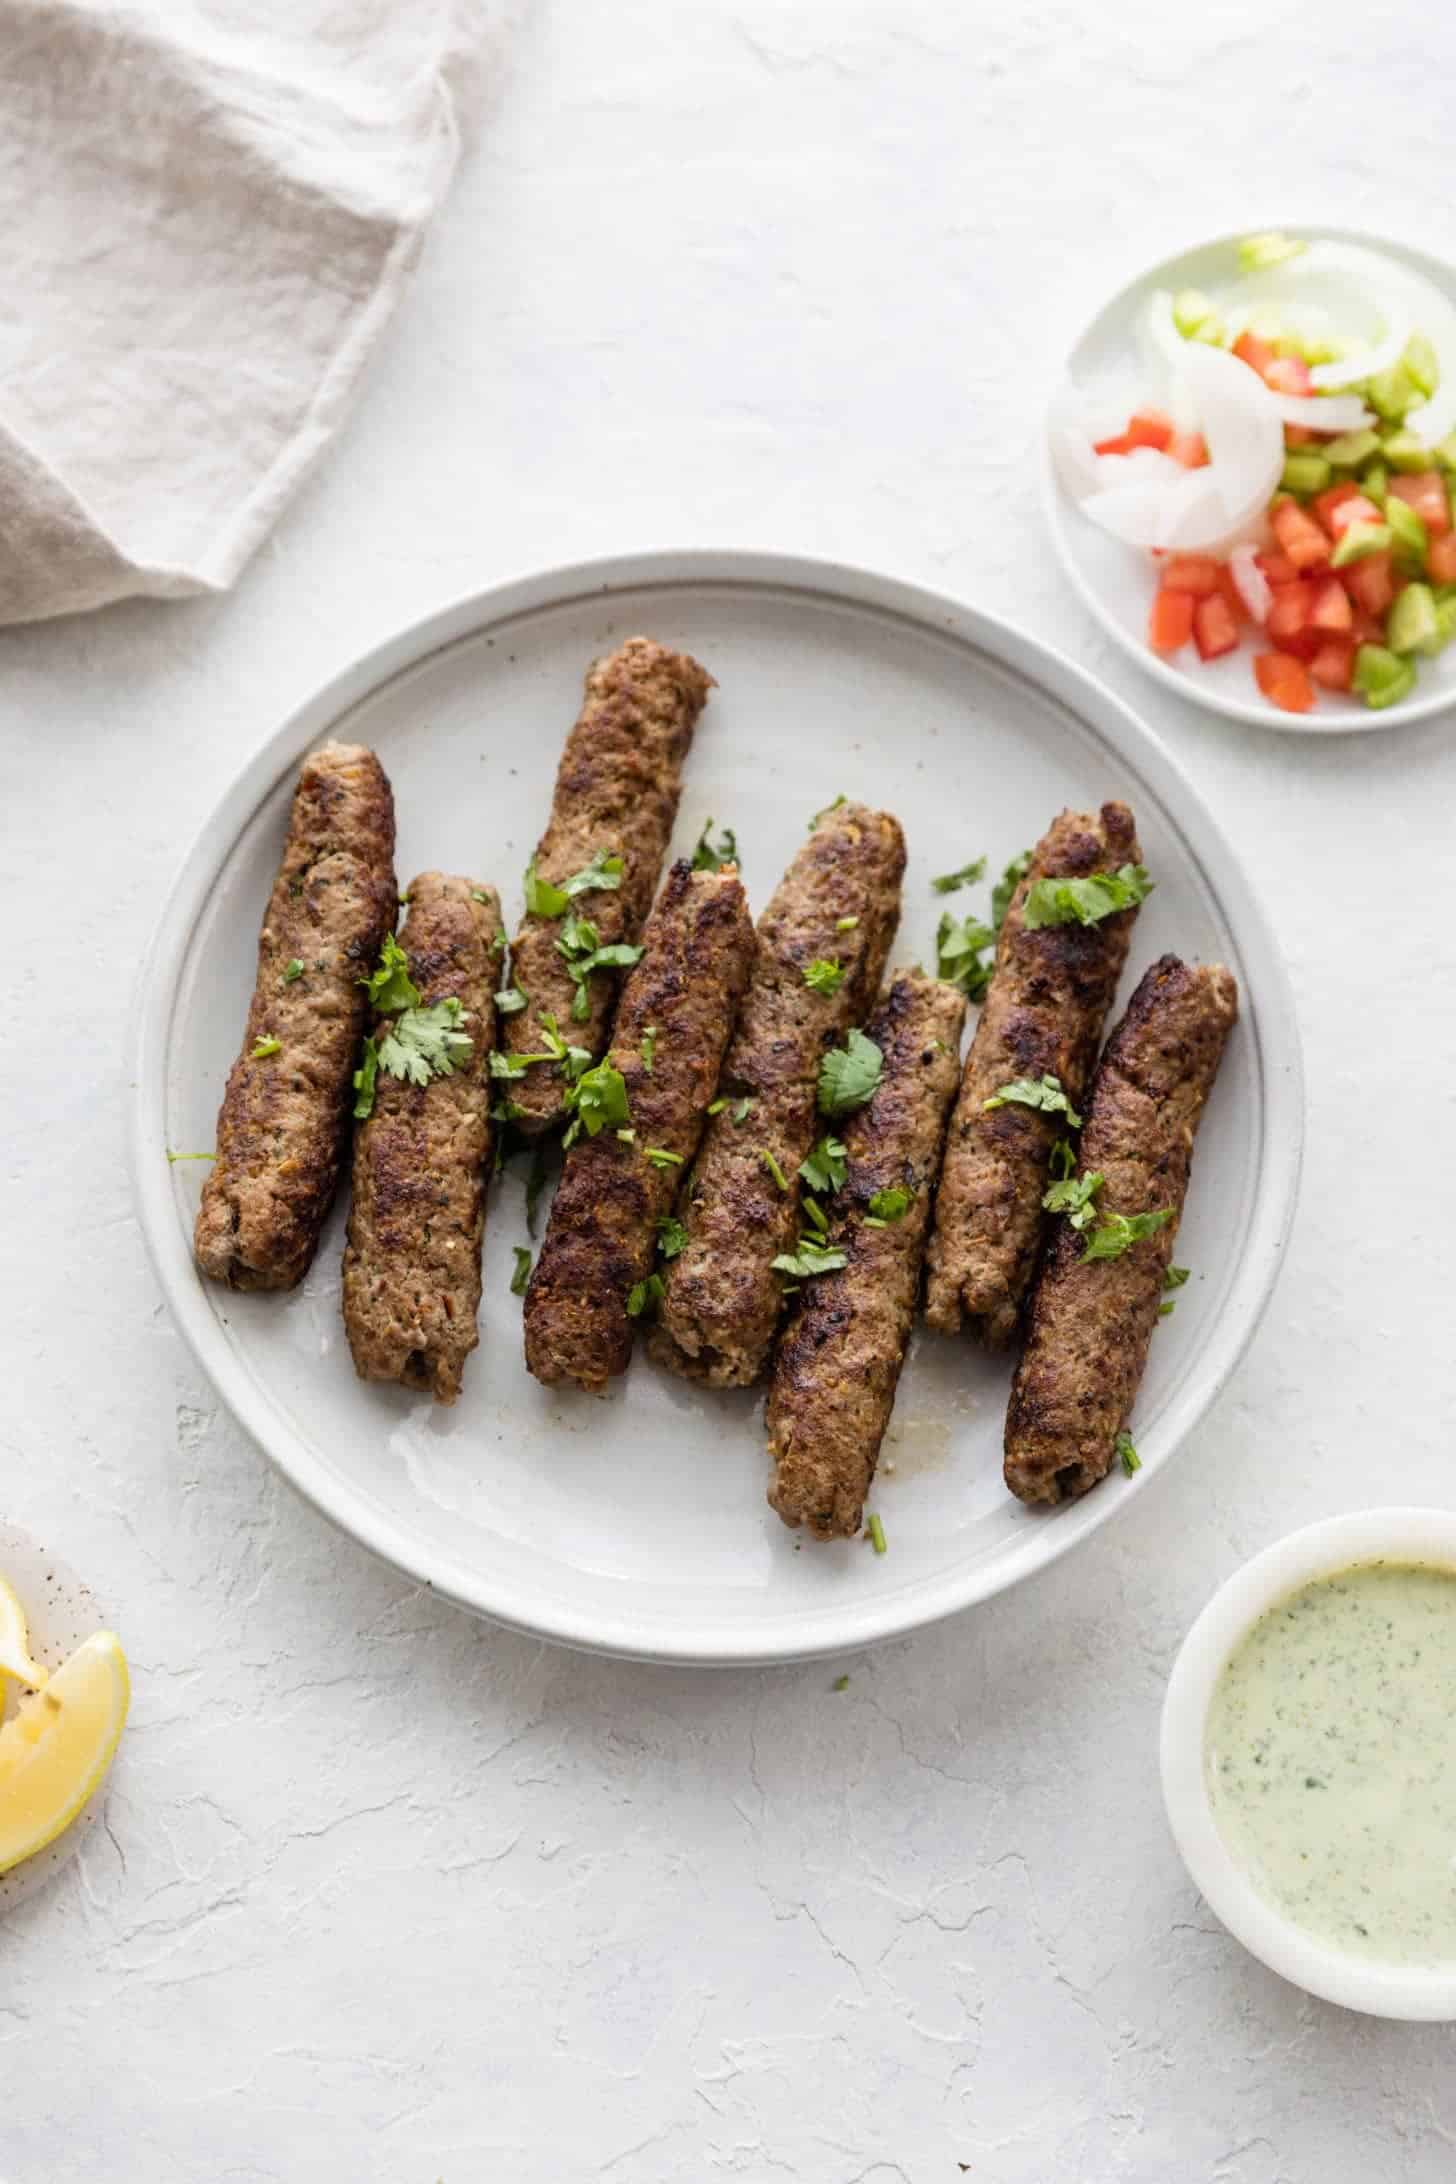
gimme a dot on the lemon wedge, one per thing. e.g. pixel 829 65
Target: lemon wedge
pixel 57 1749
pixel 15 1657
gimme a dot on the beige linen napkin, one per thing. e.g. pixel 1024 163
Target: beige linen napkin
pixel 208 211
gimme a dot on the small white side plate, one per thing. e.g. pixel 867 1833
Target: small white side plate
pixel 638 1524
pixel 1117 583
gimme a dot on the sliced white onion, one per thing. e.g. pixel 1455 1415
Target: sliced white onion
pixel 1250 581
pixel 1129 512
pixel 1139 466
pixel 1190 507
pixel 1323 412
pixel 1241 428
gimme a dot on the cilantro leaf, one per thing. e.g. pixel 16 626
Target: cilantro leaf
pixel 649 1047
pixel 510 1000
pixel 523 1270
pixel 814 1214
pixel 661 1157
pixel 825 1168
pixel 1006 887
pixel 544 900
pixel 824 975
pixel 1122 1446
pixel 875 1533
pixel 266 1045
pixel 1063 1162
pixel 644 1293
pixel 291 971
pixel 1073 1197
pixel 1118 1232
pixel 1085 902
pixel 390 987
pixel 960 944
pixel 810 1258
pixel 425 1043
pixel 364 1081
pixel 742 1109
pixel 848 1075
pixel 892 1204
pixel 1044 1092
pixel 707 858
pixel 845 925
pixel 1175 1277
pixel 671 1235
pixel 948 882
pixel 598 1098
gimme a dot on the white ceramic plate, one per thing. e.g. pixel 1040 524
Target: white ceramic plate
pixel 1116 582
pixel 638 1524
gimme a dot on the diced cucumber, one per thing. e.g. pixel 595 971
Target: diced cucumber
pixel 1352 448
pixel 1305 473
pixel 1403 451
pixel 1361 539
pixel 1375 483
pixel 1382 677
pixel 1411 625
pixel 1391 393
pixel 1445 621
pixel 1422 364
pixel 1407 531
pixel 1258 251
pixel 1445 451
pixel 1195 317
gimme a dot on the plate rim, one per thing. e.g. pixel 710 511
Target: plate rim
pixel 852 1622
pixel 1057 508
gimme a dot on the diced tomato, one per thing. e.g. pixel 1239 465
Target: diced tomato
pixel 1366 629
pixel 1254 352
pixel 1331 609
pixel 1170 624
pixel 1333 497
pixel 1354 508
pixel 1196 573
pixel 1300 537
pixel 1287 375
pixel 1118 443
pixel 1150 428
pixel 1290 612
pixel 1370 583
pixel 1426 493
pixel 1190 449
pixel 1333 666
pixel 1277 568
pixel 1441 560
pixel 1301 644
pixel 1284 681
pixel 1214 629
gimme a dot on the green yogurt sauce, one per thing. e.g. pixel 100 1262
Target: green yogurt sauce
pixel 1330 1759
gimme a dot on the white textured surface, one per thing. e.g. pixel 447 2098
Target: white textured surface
pixel 396 1897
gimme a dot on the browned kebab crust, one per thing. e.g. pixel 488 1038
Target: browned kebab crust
pixel 422 1160
pixel 617 790
pixel 723 1298
pixel 1091 1322
pixel 285 1115
pixel 838 1360
pixel 1043 1012
pixel 601 1239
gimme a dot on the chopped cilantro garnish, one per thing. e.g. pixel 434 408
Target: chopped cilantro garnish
pixel 671 1235
pixel 825 1170
pixel 824 813
pixel 1063 1162
pixel 876 1532
pixel 773 1167
pixel 892 1204
pixel 628 1137
pixel 390 987
pixel 173 1158
pixel 266 1045
pixel 478 894
pixel 504 1110
pixel 814 1214
pixel 498 945
pixel 510 1000
pixel 808 1259
pixel 1122 1446
pixel 845 925
pixel 644 1293
pixel 1074 1197
pixel 291 971
pixel 1044 1092
pixel 848 1075
pixel 824 975
pixel 649 1047
pixel 960 945
pixel 598 1098
pixel 364 1081
pixel 948 882
pixel 523 1270
pixel 424 1043
pixel 1085 902
pixel 707 858
pixel 840 1683
pixel 1118 1232
pixel 716 1107
pixel 1175 1277
pixel 544 900
pixel 742 1109
pixel 1006 887
pixel 1165 1309
pixel 661 1157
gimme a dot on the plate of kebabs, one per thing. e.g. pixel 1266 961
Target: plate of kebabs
pixel 716 1107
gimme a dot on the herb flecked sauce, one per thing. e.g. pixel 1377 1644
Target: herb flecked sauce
pixel 1330 1758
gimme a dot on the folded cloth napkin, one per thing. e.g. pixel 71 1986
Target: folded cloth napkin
pixel 209 209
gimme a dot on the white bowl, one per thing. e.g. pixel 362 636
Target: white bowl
pixel 1381 1990
pixel 1115 581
